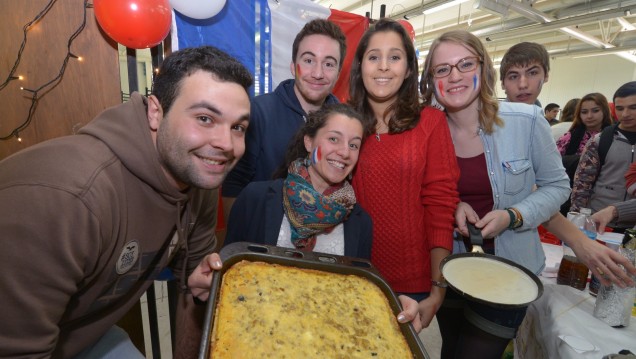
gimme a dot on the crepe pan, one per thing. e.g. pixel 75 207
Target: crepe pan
pixel 476 239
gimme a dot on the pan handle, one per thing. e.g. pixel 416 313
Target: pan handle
pixel 475 238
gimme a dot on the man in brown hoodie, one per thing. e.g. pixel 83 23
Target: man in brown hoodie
pixel 88 221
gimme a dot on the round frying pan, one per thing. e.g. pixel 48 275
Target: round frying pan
pixel 496 276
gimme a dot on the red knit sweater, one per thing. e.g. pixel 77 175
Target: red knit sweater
pixel 407 182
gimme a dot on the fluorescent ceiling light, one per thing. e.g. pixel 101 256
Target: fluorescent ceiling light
pixel 443 6
pixel 587 38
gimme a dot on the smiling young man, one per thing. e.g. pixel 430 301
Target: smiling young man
pixel 88 221
pixel 524 69
pixel 317 54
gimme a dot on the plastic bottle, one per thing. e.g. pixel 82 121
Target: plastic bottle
pixel 589 228
pixel 571 271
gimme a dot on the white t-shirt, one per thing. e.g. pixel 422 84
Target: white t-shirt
pixel 560 129
pixel 331 243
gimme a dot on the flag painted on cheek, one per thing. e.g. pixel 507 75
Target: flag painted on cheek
pixel 298 72
pixel 440 88
pixel 316 155
pixel 475 82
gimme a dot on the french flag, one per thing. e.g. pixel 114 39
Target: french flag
pixel 260 34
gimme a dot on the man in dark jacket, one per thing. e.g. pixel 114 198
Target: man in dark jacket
pixel 317 55
pixel 88 221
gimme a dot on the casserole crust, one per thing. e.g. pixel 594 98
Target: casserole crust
pixel 273 311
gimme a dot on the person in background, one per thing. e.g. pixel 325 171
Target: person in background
pixel 592 114
pixel 597 183
pixel 310 205
pixel 590 117
pixel 317 55
pixel 407 174
pixel 499 200
pixel 550 113
pixel 88 221
pixel 565 121
pixel 524 69
pixel 625 211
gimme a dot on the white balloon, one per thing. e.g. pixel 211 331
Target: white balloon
pixel 198 9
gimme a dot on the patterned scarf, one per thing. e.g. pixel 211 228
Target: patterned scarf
pixel 310 212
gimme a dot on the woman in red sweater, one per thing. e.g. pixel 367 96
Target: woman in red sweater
pixel 406 177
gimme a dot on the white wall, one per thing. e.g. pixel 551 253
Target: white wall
pixel 570 78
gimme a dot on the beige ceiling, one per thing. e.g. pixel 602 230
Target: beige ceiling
pixel 567 28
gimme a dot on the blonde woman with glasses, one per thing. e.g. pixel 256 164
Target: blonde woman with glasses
pixel 502 149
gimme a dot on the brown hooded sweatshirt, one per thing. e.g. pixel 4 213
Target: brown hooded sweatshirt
pixel 86 223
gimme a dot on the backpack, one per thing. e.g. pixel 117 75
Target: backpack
pixel 604 143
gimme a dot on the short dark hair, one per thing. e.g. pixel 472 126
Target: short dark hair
pixel 406 109
pixel 523 54
pixel 550 107
pixel 628 89
pixel 321 27
pixel 183 63
pixel 315 121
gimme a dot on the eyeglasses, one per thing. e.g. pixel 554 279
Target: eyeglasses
pixel 466 64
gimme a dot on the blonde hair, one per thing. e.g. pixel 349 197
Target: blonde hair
pixel 488 103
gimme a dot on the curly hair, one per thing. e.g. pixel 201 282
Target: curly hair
pixel 405 111
pixel 489 105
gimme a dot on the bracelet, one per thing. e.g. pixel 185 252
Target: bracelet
pixel 519 217
pixel 512 218
pixel 441 284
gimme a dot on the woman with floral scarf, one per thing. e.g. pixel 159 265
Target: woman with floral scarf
pixel 310 205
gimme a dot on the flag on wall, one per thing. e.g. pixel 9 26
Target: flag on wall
pixel 260 34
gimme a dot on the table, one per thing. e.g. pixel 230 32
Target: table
pixel 563 310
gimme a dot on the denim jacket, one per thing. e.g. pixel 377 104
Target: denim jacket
pixel 519 155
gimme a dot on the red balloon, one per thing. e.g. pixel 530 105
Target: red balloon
pixel 409 28
pixel 138 24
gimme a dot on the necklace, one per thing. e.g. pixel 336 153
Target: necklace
pixel 381 128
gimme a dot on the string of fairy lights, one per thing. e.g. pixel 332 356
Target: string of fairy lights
pixel 37 93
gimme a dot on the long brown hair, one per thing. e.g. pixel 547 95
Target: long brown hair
pixel 598 99
pixel 488 103
pixel 405 111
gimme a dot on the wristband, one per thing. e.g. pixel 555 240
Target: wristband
pixel 512 218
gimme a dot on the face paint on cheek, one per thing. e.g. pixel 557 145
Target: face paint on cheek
pixel 298 74
pixel 475 78
pixel 316 155
pixel 440 88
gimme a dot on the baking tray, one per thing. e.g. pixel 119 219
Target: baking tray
pixel 236 252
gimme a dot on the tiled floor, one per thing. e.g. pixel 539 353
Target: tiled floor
pixel 430 336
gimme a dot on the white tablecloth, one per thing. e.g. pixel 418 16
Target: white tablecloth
pixel 565 311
